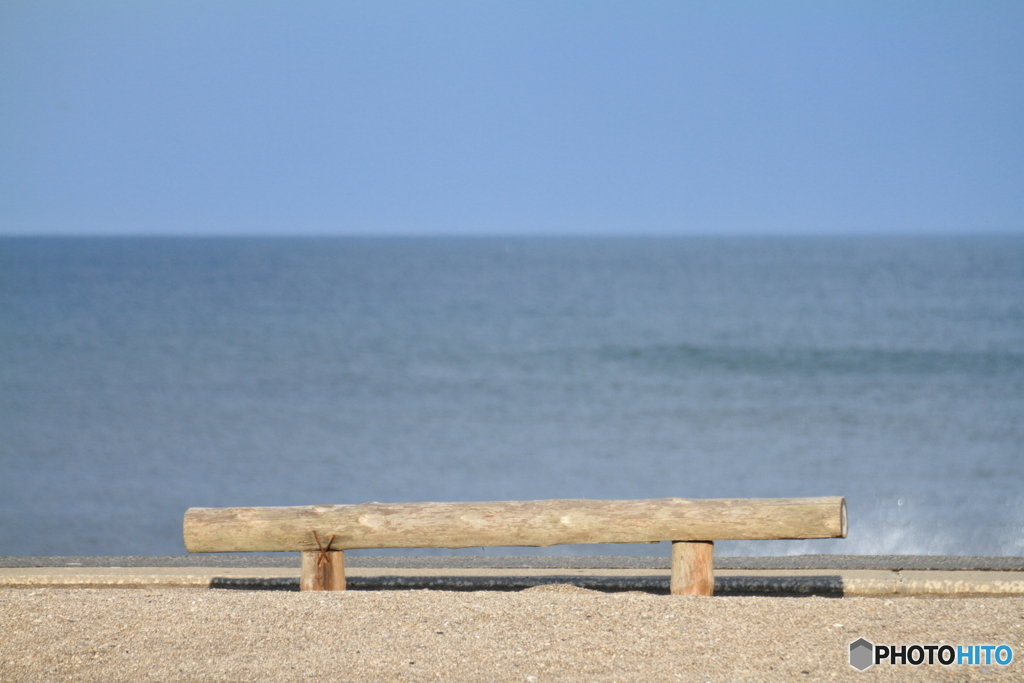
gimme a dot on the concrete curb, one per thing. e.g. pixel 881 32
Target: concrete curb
pixel 736 582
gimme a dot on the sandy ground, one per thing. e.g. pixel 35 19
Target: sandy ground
pixel 548 633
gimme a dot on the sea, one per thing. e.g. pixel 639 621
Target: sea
pixel 143 376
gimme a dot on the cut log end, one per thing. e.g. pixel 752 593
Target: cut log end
pixel 842 517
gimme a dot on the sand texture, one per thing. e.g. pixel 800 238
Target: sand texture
pixel 549 633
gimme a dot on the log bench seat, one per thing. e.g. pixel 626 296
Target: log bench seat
pixel 323 532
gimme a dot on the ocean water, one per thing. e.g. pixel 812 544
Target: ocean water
pixel 140 377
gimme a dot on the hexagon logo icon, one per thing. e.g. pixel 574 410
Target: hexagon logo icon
pixel 862 654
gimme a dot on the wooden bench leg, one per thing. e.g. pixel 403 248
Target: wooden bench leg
pixel 323 571
pixel 693 568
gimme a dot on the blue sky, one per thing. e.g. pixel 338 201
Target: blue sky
pixel 428 118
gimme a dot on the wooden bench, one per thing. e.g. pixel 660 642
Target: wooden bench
pixel 323 532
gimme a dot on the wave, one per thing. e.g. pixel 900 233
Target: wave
pixel 685 357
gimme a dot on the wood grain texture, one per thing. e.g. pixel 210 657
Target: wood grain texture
pixel 517 523
pixel 323 571
pixel 693 568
